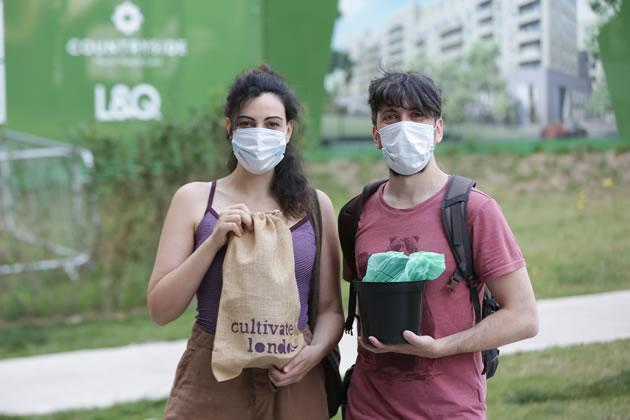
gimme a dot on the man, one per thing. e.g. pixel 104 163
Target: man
pixel 437 374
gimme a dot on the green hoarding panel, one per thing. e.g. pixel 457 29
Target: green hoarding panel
pixel 615 52
pixel 118 62
pixel 297 43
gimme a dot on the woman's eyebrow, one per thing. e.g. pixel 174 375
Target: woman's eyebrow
pixel 272 116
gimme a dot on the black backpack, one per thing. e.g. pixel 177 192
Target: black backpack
pixel 456 228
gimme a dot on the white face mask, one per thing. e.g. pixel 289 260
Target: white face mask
pixel 407 146
pixel 258 150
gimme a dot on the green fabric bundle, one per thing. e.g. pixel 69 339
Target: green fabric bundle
pixel 395 266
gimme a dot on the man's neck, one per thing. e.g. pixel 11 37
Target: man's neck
pixel 403 192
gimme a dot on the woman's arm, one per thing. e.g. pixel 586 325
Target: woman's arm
pixel 330 311
pixel 178 270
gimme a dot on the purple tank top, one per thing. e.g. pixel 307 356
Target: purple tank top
pixel 209 292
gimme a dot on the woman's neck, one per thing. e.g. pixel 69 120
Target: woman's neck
pixel 249 184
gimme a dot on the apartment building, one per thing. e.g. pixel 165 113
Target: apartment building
pixel 538 58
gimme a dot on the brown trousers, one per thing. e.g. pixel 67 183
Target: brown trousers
pixel 251 395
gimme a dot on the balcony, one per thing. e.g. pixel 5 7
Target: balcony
pixel 451 37
pixel 395 30
pixel 534 64
pixel 529 16
pixel 452 31
pixel 484 14
pixel 395 53
pixel 522 3
pixel 395 41
pixel 450 47
pixel 529 31
pixel 485 31
pixel 484 5
pixel 530 54
pixel 527 36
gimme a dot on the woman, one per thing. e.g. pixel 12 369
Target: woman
pixel 261 114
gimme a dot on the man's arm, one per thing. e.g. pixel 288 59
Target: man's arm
pixel 516 320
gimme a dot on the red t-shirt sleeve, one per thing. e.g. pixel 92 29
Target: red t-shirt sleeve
pixel 495 250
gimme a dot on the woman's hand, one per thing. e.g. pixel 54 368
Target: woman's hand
pixel 296 369
pixel 233 219
pixel 302 363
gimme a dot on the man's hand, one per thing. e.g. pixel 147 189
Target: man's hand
pixel 418 345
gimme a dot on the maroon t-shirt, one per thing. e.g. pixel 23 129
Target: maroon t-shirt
pixel 398 386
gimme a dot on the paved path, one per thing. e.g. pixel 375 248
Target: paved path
pixel 101 378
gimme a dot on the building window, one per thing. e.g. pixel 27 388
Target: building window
pixel 397 28
pixel 529 7
pixel 485 21
pixel 451 33
pixel 530 64
pixel 531 26
pixel 452 47
pixel 530 46
pixel 485 5
pixel 397 40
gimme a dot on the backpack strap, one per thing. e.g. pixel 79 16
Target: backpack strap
pixel 330 363
pixel 315 215
pixel 454 208
pixel 347 225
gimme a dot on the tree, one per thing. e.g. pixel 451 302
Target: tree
pixel 470 86
pixel 599 101
pixel 340 60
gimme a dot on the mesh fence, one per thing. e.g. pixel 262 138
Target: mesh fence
pixel 48 217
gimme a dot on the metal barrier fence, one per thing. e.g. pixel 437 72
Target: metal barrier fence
pixel 48 219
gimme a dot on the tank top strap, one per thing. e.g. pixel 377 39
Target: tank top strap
pixel 212 185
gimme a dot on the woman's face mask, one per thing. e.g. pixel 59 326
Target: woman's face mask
pixel 407 146
pixel 258 150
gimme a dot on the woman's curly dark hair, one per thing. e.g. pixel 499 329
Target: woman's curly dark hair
pixel 289 184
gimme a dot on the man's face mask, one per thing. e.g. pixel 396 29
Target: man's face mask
pixel 258 150
pixel 407 146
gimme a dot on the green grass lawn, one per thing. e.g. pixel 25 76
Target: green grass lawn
pixel 137 411
pixel 579 382
pixel 21 339
pixel 568 212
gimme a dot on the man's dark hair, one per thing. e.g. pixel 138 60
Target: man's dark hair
pixel 394 88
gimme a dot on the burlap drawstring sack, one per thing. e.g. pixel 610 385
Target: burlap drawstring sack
pixel 260 305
